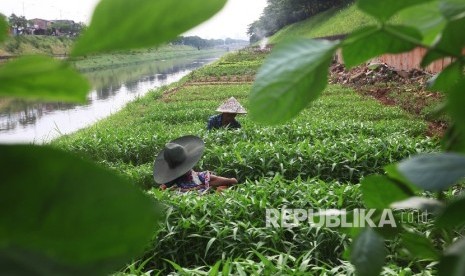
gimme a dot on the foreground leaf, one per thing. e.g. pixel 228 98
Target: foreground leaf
pixel 453 261
pixel 452 216
pixel 454 137
pixel 293 75
pixel 44 78
pixel 418 203
pixel 419 246
pixel 452 8
pixel 383 10
pixel 368 253
pixel 372 41
pixel 450 45
pixel 427 18
pixel 448 77
pixel 456 104
pixel 394 175
pixel 123 25
pixel 60 215
pixel 373 198
pixel 433 172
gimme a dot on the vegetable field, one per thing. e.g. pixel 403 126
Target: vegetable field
pixel 315 161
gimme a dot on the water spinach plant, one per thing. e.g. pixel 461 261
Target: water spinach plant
pixel 314 161
pixel 296 73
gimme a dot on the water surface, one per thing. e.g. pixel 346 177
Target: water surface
pixel 26 122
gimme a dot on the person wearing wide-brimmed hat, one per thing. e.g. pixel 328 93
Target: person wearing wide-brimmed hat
pixel 227 117
pixel 173 167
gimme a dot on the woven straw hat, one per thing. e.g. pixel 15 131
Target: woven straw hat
pixel 231 106
pixel 177 158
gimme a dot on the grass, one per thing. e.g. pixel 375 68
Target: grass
pixel 36 44
pixel 315 161
pixel 101 61
pixel 332 22
pixel 357 139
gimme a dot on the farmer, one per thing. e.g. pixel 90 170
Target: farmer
pixel 172 168
pixel 227 117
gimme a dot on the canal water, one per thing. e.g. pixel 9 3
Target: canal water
pixel 38 123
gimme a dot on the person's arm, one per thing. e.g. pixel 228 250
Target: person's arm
pixel 210 123
pixel 193 188
pixel 236 124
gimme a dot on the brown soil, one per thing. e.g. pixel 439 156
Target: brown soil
pixel 406 89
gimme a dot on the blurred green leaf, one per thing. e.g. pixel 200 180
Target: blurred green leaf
pixel 454 139
pixel 372 41
pixel 453 261
pixel 292 76
pixel 456 103
pixel 433 172
pixel 368 253
pixel 427 18
pixel 418 203
pixel 452 215
pixel 44 78
pixel 383 10
pixel 452 9
pixel 448 77
pixel 122 25
pixel 379 192
pixel 3 28
pixel 395 175
pixel 450 45
pixel 419 246
pixel 61 215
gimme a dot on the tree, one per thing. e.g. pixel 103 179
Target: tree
pixel 19 22
pixel 279 13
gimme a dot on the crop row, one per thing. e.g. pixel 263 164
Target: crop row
pixel 233 225
pixel 341 137
pixel 313 162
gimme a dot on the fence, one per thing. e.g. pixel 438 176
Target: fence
pixel 404 61
pixel 411 60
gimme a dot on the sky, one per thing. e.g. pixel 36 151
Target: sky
pixel 231 21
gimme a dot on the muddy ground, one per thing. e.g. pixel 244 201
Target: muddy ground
pixel 407 89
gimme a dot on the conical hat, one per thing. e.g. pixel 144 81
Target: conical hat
pixel 231 106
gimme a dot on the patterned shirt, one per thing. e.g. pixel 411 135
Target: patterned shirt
pixel 189 181
pixel 216 122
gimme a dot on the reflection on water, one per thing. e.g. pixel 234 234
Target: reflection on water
pixel 33 122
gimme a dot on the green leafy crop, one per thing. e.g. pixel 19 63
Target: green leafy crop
pixel 405 181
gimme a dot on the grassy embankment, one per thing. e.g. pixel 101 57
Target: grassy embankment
pixel 332 22
pixel 36 44
pixel 61 46
pixel 411 96
pixel 315 161
pixel 166 52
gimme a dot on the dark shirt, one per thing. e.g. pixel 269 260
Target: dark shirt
pixel 216 120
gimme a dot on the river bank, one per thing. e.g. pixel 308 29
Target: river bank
pixel 113 87
pixel 165 52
